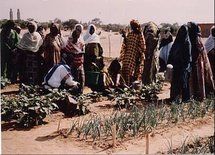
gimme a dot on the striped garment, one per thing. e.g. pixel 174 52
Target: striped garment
pixel 132 56
pixel 74 53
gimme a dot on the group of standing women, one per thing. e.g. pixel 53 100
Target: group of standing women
pixel 192 74
pixel 38 53
pixel 143 55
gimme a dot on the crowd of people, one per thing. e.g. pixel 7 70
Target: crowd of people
pixel 50 61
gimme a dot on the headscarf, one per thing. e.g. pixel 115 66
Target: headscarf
pixel 194 31
pixel 81 38
pixel 76 25
pixel 151 32
pixel 166 38
pixel 94 38
pixel 135 26
pixel 151 28
pixel 180 53
pixel 78 45
pixel 53 27
pixel 165 44
pixel 195 39
pixel 31 41
pixel 209 44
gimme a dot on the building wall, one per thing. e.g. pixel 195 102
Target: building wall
pixel 205 28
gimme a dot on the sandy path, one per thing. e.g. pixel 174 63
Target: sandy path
pixel 43 140
pixel 37 140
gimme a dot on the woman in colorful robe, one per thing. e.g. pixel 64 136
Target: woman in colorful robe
pixel 74 51
pixel 53 43
pixel 132 54
pixel 151 62
pixel 202 83
pixel 210 48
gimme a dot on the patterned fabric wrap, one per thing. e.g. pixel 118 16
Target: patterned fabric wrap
pixel 75 53
pixel 202 77
pixel 151 64
pixel 133 57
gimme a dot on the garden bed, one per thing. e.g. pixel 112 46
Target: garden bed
pixel 171 131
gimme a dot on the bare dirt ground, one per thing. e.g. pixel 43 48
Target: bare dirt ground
pixel 44 139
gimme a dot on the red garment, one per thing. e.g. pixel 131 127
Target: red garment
pixel 202 82
pixel 75 56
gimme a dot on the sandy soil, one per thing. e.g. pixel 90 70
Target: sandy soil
pixel 44 139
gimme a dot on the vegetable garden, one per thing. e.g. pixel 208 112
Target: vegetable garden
pixel 135 114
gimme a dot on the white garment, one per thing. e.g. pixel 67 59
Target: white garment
pixel 209 44
pixel 164 52
pixel 30 42
pixel 57 77
pixel 81 38
pixel 88 38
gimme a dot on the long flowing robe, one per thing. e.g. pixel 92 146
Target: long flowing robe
pixel 180 57
pixel 151 63
pixel 202 76
pixel 93 61
pixel 52 51
pixel 202 83
pixel 75 59
pixel 29 57
pixel 132 57
pixel 9 40
pixel 210 48
pixel 93 51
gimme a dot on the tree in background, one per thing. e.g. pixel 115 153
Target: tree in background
pixel 70 23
